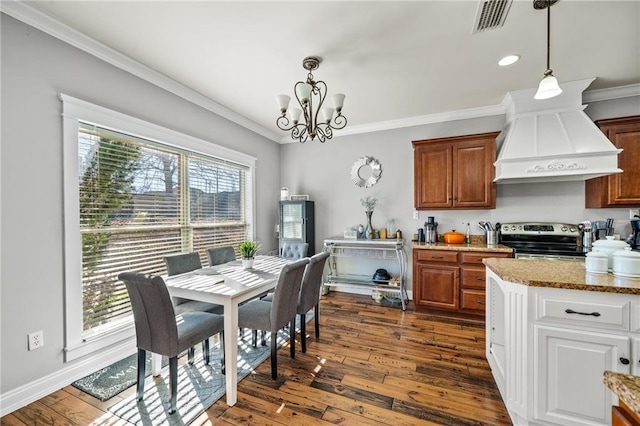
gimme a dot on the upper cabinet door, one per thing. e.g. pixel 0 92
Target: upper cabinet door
pixel 455 172
pixel 621 189
pixel 433 176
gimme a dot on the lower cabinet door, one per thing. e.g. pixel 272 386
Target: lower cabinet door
pixel 438 286
pixel 569 379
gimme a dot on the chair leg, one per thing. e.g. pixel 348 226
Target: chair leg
pixel 263 338
pixel 303 333
pixel 274 355
pixel 254 338
pixel 205 351
pixel 222 352
pixel 292 337
pixel 190 354
pixel 142 365
pixel 316 319
pixel 173 383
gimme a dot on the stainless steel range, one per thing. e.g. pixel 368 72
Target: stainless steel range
pixel 547 240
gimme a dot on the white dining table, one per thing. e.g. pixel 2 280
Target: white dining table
pixel 228 285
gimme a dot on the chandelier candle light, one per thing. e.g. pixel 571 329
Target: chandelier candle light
pixel 310 96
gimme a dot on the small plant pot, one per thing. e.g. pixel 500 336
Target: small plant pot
pixel 247 263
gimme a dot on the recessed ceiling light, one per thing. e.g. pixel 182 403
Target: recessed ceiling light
pixel 508 60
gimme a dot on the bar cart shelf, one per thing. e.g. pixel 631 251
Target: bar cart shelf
pixel 384 250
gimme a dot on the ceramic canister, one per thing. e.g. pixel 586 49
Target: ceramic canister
pixel 597 262
pixel 626 263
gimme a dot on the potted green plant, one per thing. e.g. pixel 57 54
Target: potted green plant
pixel 248 250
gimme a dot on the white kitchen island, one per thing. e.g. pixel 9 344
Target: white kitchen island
pixel 552 331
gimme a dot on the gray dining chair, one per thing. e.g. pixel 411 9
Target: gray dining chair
pixel 220 255
pixel 310 295
pixel 160 331
pixel 294 250
pixel 272 316
pixel 180 264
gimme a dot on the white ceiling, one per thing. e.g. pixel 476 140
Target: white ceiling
pixel 395 61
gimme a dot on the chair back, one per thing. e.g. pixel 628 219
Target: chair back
pixel 181 263
pixel 153 313
pixel 285 297
pixel 294 251
pixel 220 255
pixel 311 282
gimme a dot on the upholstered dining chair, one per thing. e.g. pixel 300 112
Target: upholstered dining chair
pixel 272 316
pixel 160 331
pixel 310 295
pixel 180 264
pixel 220 255
pixel 294 250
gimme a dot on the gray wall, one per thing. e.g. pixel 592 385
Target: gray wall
pixel 35 69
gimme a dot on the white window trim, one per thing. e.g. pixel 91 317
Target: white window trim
pixel 73 111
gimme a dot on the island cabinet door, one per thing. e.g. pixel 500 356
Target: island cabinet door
pixel 570 388
pixel 437 286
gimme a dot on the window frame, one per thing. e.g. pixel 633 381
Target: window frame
pixel 73 111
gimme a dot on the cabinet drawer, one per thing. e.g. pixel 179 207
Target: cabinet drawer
pixel 472 299
pixel 437 256
pixel 473 277
pixel 476 257
pixel 608 315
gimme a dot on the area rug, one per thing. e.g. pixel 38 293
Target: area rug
pixel 107 382
pixel 199 386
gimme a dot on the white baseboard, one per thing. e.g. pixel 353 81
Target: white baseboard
pixel 30 392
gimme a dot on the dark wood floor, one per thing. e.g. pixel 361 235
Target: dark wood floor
pixel 373 365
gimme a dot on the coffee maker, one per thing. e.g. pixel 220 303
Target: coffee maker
pixel 634 238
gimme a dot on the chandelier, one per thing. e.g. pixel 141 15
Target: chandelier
pixel 548 87
pixel 311 95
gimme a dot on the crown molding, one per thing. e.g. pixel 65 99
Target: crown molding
pixel 43 22
pixel 611 93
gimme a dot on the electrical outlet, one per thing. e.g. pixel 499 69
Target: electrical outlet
pixel 416 214
pixel 36 340
pixel 633 213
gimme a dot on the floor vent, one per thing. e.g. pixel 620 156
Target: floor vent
pixel 491 14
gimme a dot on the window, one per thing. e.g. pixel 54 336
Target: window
pixel 132 196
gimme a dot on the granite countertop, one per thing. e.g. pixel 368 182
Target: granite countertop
pixel 626 387
pixel 560 274
pixel 477 244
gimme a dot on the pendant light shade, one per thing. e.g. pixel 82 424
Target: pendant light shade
pixel 549 86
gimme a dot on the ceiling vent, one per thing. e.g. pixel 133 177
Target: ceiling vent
pixel 491 14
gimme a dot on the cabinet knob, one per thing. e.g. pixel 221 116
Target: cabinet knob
pixel 624 361
pixel 480 279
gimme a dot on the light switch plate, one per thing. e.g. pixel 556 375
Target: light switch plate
pixel 416 214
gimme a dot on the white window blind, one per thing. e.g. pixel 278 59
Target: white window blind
pixel 141 200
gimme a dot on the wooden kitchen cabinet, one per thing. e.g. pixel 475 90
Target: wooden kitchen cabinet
pixel 450 282
pixel 621 189
pixel 435 279
pixel 455 172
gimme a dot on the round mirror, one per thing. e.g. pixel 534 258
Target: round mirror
pixel 365 172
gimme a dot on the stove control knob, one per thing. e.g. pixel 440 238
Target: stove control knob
pixel 513 227
pixel 564 229
pixel 573 229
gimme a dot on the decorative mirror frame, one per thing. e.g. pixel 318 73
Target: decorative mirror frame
pixel 376 171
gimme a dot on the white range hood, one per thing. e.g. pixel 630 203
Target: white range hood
pixel 553 139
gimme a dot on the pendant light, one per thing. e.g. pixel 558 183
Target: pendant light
pixel 548 87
